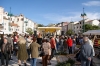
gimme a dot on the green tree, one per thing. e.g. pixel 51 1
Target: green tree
pixel 29 30
pixel 90 27
pixel 50 25
pixel 40 25
pixel 70 32
pixel 95 27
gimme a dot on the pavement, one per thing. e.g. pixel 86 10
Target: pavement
pixel 14 62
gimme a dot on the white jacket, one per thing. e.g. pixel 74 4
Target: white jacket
pixel 91 43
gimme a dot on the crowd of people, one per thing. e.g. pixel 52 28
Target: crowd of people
pixel 28 48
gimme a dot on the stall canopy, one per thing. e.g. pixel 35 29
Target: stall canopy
pixel 92 32
pixel 49 29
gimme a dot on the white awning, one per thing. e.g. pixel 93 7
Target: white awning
pixel 92 32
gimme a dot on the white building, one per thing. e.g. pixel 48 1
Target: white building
pixel 78 26
pixel 14 23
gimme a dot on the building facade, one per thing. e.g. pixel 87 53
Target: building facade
pixel 14 23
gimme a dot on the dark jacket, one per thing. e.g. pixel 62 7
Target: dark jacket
pixel 10 41
pixel 86 51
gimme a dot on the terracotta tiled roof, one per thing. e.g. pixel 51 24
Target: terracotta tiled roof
pixel 13 24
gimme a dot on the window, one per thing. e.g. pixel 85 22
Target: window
pixel 26 24
pixel 80 22
pixel 11 19
pixel 17 19
pixel 22 19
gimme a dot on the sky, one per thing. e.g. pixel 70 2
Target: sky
pixel 53 11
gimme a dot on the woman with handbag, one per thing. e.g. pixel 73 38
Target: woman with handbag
pixel 46 52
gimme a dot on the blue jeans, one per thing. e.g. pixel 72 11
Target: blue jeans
pixel 85 63
pixel 57 46
pixel 73 48
pixel 34 60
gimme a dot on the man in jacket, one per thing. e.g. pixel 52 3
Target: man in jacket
pixel 70 44
pixel 5 50
pixel 86 53
pixel 10 41
pixel 53 46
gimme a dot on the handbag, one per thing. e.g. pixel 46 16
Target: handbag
pixel 42 53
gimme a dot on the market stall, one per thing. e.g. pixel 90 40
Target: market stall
pixel 92 32
pixel 44 30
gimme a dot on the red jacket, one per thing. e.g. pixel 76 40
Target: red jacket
pixel 53 43
pixel 69 42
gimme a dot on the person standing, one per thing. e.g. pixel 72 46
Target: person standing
pixel 46 49
pixel 22 51
pixel 34 51
pixel 86 53
pixel 1 42
pixel 91 43
pixel 28 42
pixel 10 41
pixel 74 44
pixel 15 44
pixel 65 44
pixel 57 42
pixel 53 46
pixel 39 40
pixel 70 44
pixel 5 51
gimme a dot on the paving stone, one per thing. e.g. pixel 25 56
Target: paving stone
pixel 14 62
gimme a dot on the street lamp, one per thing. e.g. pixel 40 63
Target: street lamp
pixel 83 16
